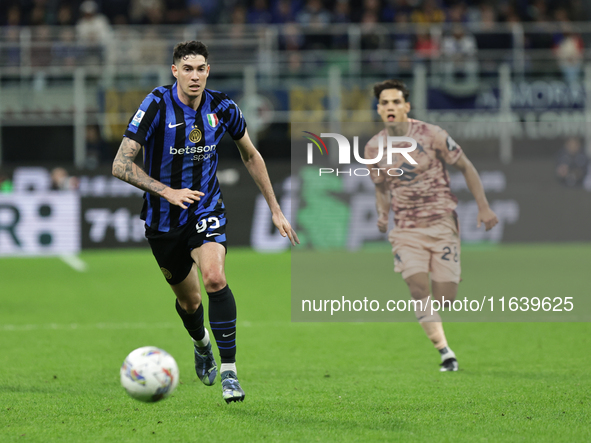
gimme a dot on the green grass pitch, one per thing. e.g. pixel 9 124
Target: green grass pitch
pixel 64 335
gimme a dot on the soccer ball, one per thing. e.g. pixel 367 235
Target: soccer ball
pixel 149 374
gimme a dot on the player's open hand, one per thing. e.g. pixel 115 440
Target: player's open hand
pixel 383 222
pixel 285 228
pixel 488 217
pixel 180 197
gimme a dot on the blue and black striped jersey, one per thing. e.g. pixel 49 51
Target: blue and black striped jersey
pixel 180 149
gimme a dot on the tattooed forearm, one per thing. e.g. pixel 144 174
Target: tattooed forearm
pixel 125 169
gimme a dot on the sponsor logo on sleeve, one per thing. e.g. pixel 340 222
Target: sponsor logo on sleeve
pixel 137 118
pixel 451 144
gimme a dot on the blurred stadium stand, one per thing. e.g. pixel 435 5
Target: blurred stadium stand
pixel 65 65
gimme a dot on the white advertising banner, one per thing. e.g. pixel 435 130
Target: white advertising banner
pixel 44 223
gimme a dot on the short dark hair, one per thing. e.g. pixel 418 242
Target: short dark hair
pixel 183 49
pixel 391 84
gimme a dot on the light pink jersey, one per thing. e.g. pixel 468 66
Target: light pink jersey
pixel 421 195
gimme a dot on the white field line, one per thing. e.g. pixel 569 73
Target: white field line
pixel 91 326
pixel 95 326
pixel 74 262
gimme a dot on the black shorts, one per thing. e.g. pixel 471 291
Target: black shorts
pixel 173 249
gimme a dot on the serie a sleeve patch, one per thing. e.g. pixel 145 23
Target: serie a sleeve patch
pixel 137 118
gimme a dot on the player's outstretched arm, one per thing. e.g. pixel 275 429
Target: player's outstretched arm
pixel 485 213
pixel 258 171
pixel 383 198
pixel 125 169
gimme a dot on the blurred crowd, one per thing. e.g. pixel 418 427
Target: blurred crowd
pixel 572 163
pixel 85 31
pixel 304 12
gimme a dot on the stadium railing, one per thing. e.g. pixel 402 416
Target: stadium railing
pixel 47 78
pixel 528 47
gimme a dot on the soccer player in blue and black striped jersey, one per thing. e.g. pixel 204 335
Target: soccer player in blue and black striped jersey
pixel 180 127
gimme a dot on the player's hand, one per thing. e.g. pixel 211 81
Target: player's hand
pixel 383 222
pixel 179 197
pixel 285 228
pixel 488 217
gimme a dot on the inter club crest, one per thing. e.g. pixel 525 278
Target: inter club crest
pixel 195 134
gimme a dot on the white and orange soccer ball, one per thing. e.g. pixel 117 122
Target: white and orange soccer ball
pixel 149 374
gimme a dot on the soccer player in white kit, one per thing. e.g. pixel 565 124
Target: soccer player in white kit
pixel 425 240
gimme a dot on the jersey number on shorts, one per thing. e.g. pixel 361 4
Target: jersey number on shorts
pixel 447 250
pixel 214 223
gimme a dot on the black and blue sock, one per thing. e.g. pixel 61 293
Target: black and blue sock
pixel 193 322
pixel 222 318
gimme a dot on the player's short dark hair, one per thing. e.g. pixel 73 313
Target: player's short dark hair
pixel 391 84
pixel 183 49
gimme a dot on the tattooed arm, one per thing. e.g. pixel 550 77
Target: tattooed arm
pixel 125 169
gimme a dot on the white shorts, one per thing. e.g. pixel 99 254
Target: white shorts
pixel 434 249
